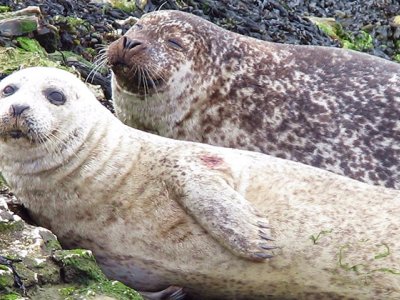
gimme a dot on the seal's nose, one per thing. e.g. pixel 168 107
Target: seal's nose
pixel 128 43
pixel 16 109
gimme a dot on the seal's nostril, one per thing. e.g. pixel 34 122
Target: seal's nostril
pixel 129 44
pixel 17 110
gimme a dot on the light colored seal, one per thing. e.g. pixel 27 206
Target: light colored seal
pixel 183 77
pixel 158 212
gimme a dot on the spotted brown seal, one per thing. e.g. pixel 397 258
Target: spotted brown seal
pixel 158 212
pixel 183 77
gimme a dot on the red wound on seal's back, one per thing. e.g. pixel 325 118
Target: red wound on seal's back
pixel 211 161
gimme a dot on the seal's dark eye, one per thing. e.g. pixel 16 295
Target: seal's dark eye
pixel 55 97
pixel 9 90
pixel 177 45
pixel 138 26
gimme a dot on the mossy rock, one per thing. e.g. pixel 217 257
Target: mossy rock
pixel 4 9
pixel 363 41
pixel 47 271
pixel 127 5
pixel 80 267
pixel 12 59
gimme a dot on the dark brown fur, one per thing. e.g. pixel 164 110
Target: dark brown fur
pixel 331 108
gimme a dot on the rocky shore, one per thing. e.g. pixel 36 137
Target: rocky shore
pixel 70 33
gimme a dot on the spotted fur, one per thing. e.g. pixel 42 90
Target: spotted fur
pixel 158 212
pixel 331 108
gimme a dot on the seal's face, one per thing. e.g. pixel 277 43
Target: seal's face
pixel 35 105
pixel 160 50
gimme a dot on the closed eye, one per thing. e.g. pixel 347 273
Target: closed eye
pixel 175 44
pixel 138 26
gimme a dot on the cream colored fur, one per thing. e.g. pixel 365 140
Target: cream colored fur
pixel 158 212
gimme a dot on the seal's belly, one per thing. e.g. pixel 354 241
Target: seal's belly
pixel 129 272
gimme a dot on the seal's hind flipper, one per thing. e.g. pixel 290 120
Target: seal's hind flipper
pixel 227 216
pixel 170 293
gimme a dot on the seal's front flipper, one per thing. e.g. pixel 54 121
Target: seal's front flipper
pixel 170 293
pixel 227 216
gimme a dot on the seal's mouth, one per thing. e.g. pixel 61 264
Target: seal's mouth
pixel 139 81
pixel 16 134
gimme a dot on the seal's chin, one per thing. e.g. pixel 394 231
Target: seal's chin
pixel 139 82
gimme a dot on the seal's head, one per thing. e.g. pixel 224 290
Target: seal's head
pixel 39 103
pixel 164 49
pixel 46 116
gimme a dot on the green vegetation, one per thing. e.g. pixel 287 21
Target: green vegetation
pixel 126 5
pixel 11 296
pixel 14 226
pixel 396 57
pixel 13 58
pixel 80 265
pixel 361 42
pixel 346 266
pixel 114 289
pixel 52 245
pixel 4 9
pixel 30 45
pixel 6 281
pixel 72 24
pixel 315 238
pixel 364 269
pixel 383 254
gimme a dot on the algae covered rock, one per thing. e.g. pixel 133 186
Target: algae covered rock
pixel 34 266
pixel 19 23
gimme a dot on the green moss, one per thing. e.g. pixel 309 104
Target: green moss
pixel 113 289
pixel 363 41
pixel 346 266
pixel 14 226
pixel 397 57
pixel 91 51
pixel 11 296
pixel 28 26
pixel 68 291
pixel 328 29
pixel 31 45
pixel 6 281
pixel 80 265
pixel 126 5
pixel 363 269
pixel 386 270
pixel 383 254
pixel 315 238
pixel 52 245
pixel 12 59
pixel 73 25
pixel 4 9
